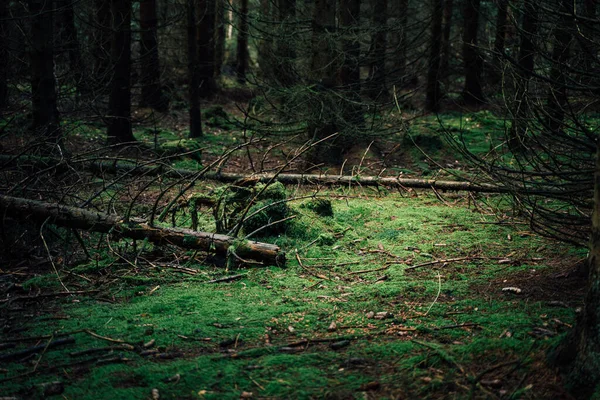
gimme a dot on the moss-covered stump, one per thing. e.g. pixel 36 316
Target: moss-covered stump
pixel 321 207
pixel 260 206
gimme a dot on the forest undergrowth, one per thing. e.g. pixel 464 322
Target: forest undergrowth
pixel 386 292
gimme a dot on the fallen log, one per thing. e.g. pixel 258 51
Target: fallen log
pixel 79 218
pixel 137 168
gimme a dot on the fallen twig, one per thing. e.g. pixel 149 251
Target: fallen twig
pixel 366 271
pixel 53 294
pixel 19 354
pixel 448 260
pixel 94 334
pixel 227 278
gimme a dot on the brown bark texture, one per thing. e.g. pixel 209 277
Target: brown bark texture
pixel 152 95
pixel 78 218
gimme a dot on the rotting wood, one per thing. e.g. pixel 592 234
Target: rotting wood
pixel 78 218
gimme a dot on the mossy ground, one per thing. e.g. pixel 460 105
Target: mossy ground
pixel 449 330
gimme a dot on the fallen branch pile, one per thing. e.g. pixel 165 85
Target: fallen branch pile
pixel 79 218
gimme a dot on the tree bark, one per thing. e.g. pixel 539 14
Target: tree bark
pixel 70 39
pixel 349 75
pixel 446 42
pixel 79 218
pixel 323 71
pixel 397 42
pixel 4 54
pixel 193 72
pixel 557 97
pixel 525 65
pixel 206 48
pixel 242 42
pixel 220 22
pixel 499 39
pixel 473 60
pixel 102 44
pixel 285 51
pixel 376 81
pixel 152 95
pixel 579 353
pixel 119 104
pixel 433 90
pixel 43 85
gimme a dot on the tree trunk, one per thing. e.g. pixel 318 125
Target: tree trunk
pixel 242 42
pixel 446 42
pixel 376 82
pixel 323 71
pixel 79 218
pixel 285 56
pixel 152 95
pixel 43 86
pixel 525 65
pixel 265 44
pixel 71 40
pixel 119 104
pixel 206 48
pixel 102 44
pixel 397 42
pixel 349 75
pixel 220 22
pixel 433 90
pixel 579 354
pixel 4 54
pixel 473 60
pixel 499 39
pixel 193 72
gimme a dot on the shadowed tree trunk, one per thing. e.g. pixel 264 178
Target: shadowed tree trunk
pixel 397 41
pixel 433 90
pixel 579 353
pixel 446 42
pixel 206 48
pixel 265 45
pixel 285 52
pixel 102 43
pixel 3 55
pixel 119 103
pixel 152 95
pixel 220 22
pixel 194 78
pixel 71 40
pixel 525 64
pixel 349 76
pixel 499 39
pixel 43 86
pixel 473 61
pixel 557 98
pixel 376 82
pixel 242 43
pixel 323 71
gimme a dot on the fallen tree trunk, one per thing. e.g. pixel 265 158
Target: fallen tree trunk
pixel 79 218
pixel 139 168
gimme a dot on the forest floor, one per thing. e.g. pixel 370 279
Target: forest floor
pixel 398 294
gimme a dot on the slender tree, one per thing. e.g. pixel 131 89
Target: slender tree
pixel 525 65
pixel 43 86
pixel 557 97
pixel 4 62
pixel 206 47
pixel 349 76
pixel 433 91
pixel 193 71
pixel 397 41
pixel 376 82
pixel 285 51
pixel 152 95
pixel 220 40
pixel 242 42
pixel 119 104
pixel 473 61
pixel 446 40
pixel 102 43
pixel 70 39
pixel 500 37
pixel 323 71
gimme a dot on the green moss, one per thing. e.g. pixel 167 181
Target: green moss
pixel 321 207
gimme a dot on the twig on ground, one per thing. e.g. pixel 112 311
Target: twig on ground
pixel 94 334
pixel 448 260
pixel 366 271
pixel 227 278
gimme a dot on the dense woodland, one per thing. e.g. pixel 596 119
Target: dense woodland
pixel 214 139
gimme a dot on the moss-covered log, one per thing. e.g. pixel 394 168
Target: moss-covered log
pixel 78 218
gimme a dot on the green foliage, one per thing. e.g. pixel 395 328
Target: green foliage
pixel 321 207
pixel 265 205
pixel 217 117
